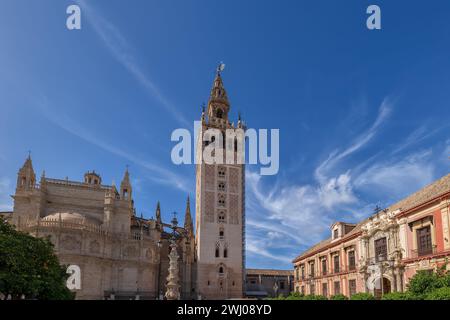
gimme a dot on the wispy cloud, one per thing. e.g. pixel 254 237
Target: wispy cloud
pixel 159 173
pixel 398 177
pixel 383 113
pixel 123 52
pixel 5 191
pixel 294 216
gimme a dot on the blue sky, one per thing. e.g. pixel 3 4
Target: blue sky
pixel 363 115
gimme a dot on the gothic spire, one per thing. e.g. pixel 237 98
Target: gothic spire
pixel 26 177
pixel 218 93
pixel 158 213
pixel 125 186
pixel 188 226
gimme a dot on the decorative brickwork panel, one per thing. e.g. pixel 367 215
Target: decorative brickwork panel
pixel 209 207
pixel 234 209
pixel 209 176
pixel 234 180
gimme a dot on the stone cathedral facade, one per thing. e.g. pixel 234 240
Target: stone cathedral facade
pixel 94 227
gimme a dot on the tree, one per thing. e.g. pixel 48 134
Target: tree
pixel 29 268
pixel 339 297
pixel 423 282
pixel 362 296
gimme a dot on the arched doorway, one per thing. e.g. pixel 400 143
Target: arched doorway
pixel 383 286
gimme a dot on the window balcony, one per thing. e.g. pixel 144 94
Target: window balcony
pixel 423 252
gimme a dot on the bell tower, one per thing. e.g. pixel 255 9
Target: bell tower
pixel 220 213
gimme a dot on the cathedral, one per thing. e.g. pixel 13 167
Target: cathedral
pixel 119 255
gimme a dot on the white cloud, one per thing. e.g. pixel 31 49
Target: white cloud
pixel 398 177
pixel 5 191
pixel 158 174
pixel 257 247
pixel 122 51
pixel 336 156
pixel 294 216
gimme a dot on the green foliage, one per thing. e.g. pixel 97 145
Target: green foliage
pixel 439 294
pixel 314 297
pixel 425 282
pixel 295 296
pixel 28 267
pixel 362 296
pixel 400 296
pixel 339 297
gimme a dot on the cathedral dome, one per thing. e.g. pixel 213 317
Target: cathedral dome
pixel 74 217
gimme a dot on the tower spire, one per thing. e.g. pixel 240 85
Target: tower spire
pixel 188 226
pixel 158 215
pixel 125 186
pixel 26 177
pixel 218 104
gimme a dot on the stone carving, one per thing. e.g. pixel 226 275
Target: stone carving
pixel 173 288
pixel 94 247
pixel 71 243
pixel 234 180
pixel 234 202
pixel 130 252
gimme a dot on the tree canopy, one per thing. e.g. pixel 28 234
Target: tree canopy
pixel 29 268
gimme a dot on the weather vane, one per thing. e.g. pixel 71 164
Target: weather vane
pixel 220 67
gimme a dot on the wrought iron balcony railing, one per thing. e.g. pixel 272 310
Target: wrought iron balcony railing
pixel 423 252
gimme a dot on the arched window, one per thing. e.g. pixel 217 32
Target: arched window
pixel 219 113
pixel 225 253
pixel 217 252
pixel 221 270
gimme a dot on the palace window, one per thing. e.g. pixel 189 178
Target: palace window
pixel 225 253
pixel 303 272
pixel 220 270
pixel 335 233
pixel 337 287
pixel 311 269
pixel 281 285
pixel 217 252
pixel 381 249
pixel 351 260
pixel 324 267
pixel 312 289
pixel 296 273
pixel 325 289
pixel 352 287
pixel 336 263
pixel 424 241
pixel 221 234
